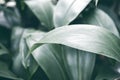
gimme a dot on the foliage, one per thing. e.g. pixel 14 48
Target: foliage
pixel 58 40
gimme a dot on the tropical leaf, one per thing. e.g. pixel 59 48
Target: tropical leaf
pixel 67 10
pixel 48 57
pixel 63 56
pixel 74 59
pixel 84 37
pixel 6 73
pixel 99 18
pixel 43 9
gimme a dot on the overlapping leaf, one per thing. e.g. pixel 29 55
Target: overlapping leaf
pixel 43 9
pixel 48 57
pixel 74 58
pixel 67 10
pixel 21 49
pixel 85 37
pixel 60 60
pixel 100 18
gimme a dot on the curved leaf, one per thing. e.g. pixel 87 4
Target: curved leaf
pixel 61 57
pixel 80 63
pixel 49 58
pixel 21 49
pixel 43 9
pixel 84 37
pixel 100 18
pixel 29 64
pixel 67 10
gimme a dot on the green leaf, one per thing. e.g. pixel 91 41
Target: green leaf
pixel 6 73
pixel 61 56
pixel 80 63
pixel 99 18
pixel 46 59
pixel 20 65
pixel 29 64
pixel 43 9
pixel 84 37
pixel 67 10
pixel 49 58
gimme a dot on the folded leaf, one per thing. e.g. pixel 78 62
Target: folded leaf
pixel 68 60
pixel 49 58
pixel 51 54
pixel 20 64
pixel 84 37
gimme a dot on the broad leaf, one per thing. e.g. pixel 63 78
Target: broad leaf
pixel 6 73
pixel 67 10
pixel 80 63
pixel 99 18
pixel 49 58
pixel 46 59
pixel 43 9
pixel 85 37
pixel 71 66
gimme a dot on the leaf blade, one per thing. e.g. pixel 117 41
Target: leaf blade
pixel 74 59
pixel 96 18
pixel 85 37
pixel 47 57
pixel 67 10
pixel 43 9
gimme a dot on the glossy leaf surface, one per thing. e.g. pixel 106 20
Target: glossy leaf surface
pixel 67 10
pixel 43 9
pixel 48 57
pixel 85 37
pixel 74 58
pixel 99 18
